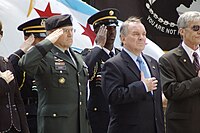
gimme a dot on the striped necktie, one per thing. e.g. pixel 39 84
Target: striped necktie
pixel 196 61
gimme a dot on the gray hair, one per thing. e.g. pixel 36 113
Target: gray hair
pixel 124 26
pixel 187 17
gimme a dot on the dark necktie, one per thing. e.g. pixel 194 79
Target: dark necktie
pixel 111 54
pixel 67 53
pixel 196 61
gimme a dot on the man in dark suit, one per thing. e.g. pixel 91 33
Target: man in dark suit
pixel 180 77
pixel 34 32
pixel 131 85
pixel 104 23
pixel 12 111
pixel 61 78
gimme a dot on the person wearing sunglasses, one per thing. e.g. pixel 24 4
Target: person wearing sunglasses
pixel 180 77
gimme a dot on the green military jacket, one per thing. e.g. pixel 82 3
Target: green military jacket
pixel 62 88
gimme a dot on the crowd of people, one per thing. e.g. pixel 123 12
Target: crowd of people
pixel 44 85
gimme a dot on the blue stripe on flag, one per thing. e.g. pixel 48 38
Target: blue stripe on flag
pixel 80 6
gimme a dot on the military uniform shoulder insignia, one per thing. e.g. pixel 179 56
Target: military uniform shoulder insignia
pixel 5 59
pixel 85 51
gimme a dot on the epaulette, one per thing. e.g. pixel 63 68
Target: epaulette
pixel 77 52
pixel 5 59
pixel 85 51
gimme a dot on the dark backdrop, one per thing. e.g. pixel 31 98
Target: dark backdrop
pixel 159 17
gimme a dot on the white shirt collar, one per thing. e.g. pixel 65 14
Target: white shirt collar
pixel 190 51
pixel 108 51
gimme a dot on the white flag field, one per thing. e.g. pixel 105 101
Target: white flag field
pixel 15 12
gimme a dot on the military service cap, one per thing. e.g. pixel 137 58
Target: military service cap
pixel 107 17
pixel 35 26
pixel 58 21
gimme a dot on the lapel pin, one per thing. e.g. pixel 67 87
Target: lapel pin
pixel 184 60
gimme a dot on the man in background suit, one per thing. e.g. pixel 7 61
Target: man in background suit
pixel 131 85
pixel 180 77
pixel 104 24
pixel 34 32
pixel 61 78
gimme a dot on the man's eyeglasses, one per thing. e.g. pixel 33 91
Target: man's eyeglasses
pixel 69 30
pixel 195 27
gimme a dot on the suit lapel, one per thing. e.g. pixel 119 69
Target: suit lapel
pixel 130 64
pixel 152 68
pixel 185 61
pixel 117 51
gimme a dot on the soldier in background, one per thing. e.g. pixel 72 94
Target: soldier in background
pixel 104 24
pixel 34 32
pixel 61 77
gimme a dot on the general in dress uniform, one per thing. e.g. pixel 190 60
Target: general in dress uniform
pixel 61 78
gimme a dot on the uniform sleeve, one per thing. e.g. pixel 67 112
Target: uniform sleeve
pixel 91 58
pixel 31 62
pixel 14 57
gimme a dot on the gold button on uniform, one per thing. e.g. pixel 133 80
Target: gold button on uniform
pixel 62 80
pixel 54 115
pixel 80 93
pixel 80 103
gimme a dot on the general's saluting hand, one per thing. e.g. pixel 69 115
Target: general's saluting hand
pixel 54 36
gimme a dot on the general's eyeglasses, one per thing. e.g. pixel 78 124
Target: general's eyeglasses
pixel 69 30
